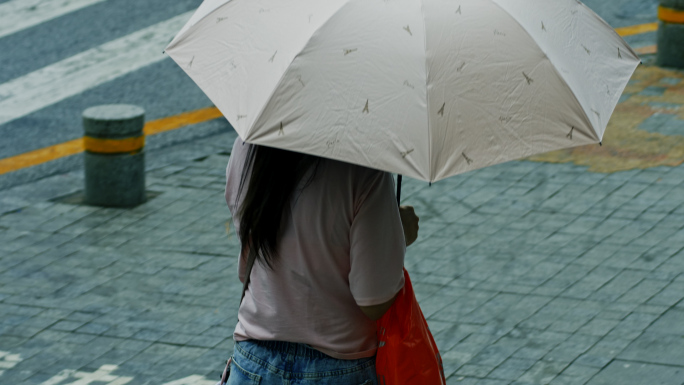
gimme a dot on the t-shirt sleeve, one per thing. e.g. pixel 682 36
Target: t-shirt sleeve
pixel 377 244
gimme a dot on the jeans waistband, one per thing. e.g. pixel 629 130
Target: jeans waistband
pixel 296 349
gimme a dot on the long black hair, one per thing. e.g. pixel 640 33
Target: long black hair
pixel 275 174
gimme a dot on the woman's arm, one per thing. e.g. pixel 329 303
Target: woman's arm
pixel 409 221
pixel 378 240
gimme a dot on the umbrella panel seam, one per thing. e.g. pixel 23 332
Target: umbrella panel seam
pixel 427 94
pixel 546 56
pixel 282 77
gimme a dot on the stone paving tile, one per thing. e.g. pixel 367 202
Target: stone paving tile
pixel 663 123
pixel 656 348
pixel 542 372
pixel 628 373
pixel 670 295
pixel 575 374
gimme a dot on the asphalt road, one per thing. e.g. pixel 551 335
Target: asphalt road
pixel 160 87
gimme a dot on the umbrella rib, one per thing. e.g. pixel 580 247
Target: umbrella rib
pixel 282 77
pixel 427 97
pixel 615 32
pixel 560 75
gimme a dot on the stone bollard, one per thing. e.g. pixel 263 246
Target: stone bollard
pixel 671 34
pixel 114 156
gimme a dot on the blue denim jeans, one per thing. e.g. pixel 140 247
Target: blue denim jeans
pixel 287 363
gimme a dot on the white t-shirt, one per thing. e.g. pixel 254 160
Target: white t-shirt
pixel 342 247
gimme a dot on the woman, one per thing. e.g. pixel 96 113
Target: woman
pixel 331 251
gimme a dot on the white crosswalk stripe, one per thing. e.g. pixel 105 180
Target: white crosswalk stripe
pixel 16 15
pixel 88 69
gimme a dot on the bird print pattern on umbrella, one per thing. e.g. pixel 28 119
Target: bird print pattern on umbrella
pixel 430 77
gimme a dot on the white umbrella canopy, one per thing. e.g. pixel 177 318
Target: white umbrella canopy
pixel 424 88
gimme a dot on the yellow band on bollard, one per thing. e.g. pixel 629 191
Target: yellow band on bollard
pixel 670 15
pixel 113 146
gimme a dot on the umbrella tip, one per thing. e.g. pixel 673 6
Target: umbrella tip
pixel 601 144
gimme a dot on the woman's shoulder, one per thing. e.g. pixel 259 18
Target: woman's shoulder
pixel 357 173
pixel 356 180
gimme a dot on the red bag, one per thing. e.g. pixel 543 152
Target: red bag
pixel 407 353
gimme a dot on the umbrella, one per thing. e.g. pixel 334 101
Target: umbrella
pixel 424 88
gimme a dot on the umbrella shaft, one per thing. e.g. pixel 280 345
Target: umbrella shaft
pixel 399 189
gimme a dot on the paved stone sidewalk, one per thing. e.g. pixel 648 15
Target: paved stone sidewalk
pixel 528 273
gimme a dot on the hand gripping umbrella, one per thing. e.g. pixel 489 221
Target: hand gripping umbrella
pixel 424 88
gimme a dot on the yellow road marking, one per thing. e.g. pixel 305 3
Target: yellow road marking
pixel 647 50
pixel 73 147
pixel 182 120
pixel 42 155
pixel 113 146
pixel 670 15
pixel 637 29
